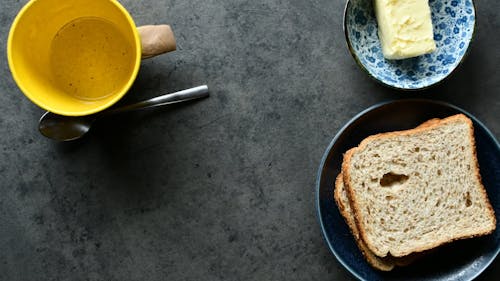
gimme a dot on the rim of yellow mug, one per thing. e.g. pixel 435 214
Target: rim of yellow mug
pixel 47 107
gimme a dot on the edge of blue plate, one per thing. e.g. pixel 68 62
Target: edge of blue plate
pixel 337 136
pixel 362 67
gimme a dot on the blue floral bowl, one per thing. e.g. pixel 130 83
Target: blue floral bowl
pixel 453 22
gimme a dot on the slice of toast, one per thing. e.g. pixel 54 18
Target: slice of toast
pixel 381 263
pixel 414 190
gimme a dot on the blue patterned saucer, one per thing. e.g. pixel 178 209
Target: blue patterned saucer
pixel 453 22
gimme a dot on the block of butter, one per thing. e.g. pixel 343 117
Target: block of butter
pixel 404 28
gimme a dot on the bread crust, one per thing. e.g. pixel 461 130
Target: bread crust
pixel 428 125
pixel 381 263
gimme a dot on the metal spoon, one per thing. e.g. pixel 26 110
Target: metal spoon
pixel 68 128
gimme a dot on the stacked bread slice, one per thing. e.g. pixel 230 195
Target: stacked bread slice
pixel 403 193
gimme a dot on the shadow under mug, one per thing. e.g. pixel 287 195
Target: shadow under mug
pixel 78 57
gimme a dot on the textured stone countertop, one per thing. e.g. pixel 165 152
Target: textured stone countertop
pixel 220 189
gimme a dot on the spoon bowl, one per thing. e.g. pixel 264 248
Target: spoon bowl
pixel 64 128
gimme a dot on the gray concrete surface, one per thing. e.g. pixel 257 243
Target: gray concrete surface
pixel 221 189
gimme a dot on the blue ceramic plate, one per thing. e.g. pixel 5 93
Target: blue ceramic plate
pixel 453 22
pixel 461 260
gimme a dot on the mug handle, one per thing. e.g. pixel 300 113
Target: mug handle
pixel 156 40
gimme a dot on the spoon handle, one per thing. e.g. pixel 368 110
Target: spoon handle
pixel 180 96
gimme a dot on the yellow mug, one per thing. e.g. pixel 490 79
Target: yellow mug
pixel 78 57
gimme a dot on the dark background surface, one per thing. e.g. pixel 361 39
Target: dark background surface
pixel 220 189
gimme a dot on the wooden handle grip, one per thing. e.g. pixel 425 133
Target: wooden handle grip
pixel 156 40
